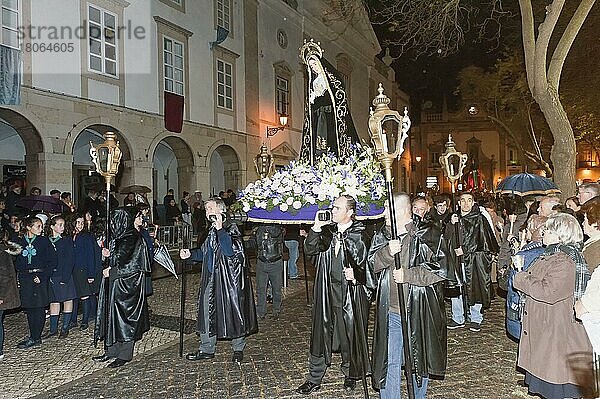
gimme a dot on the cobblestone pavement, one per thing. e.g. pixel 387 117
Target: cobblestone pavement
pixel 480 365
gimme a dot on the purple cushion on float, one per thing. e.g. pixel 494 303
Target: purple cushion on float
pixel 305 214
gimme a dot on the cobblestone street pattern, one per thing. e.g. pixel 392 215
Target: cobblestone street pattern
pixel 480 365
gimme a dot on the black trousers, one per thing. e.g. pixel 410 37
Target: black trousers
pixel 317 363
pixel 36 317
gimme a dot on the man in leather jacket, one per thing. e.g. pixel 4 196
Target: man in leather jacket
pixel 226 307
pixel 342 290
pixel 269 266
pixel 423 266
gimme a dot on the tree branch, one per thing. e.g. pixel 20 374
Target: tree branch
pixel 566 41
pixel 528 41
pixel 545 30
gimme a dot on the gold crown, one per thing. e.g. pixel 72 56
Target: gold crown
pixel 309 48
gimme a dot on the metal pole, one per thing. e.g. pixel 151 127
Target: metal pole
pixel 185 243
pixel 305 272
pixel 403 316
pixel 107 262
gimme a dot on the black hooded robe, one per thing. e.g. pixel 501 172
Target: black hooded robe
pixel 231 307
pixel 124 316
pixel 354 254
pixel 428 256
pixel 479 245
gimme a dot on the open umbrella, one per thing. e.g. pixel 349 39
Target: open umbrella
pixel 527 184
pixel 44 203
pixel 136 189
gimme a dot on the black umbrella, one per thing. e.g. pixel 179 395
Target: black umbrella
pixel 136 189
pixel 44 203
pixel 162 257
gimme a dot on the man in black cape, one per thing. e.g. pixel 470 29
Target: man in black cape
pixel 342 290
pixel 474 248
pixel 122 316
pixel 423 261
pixel 226 308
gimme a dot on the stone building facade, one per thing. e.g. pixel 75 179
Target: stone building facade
pixel 235 63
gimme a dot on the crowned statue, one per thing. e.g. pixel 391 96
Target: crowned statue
pixel 328 126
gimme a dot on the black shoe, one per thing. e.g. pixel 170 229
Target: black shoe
pixel 117 363
pixel 294 277
pixel 237 357
pixel 28 343
pixel 102 358
pixel 83 326
pixel 452 325
pixel 308 387
pixel 475 327
pixel 49 334
pixel 199 356
pixel 63 334
pixel 349 384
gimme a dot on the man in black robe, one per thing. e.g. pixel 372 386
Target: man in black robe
pixel 440 213
pixel 226 308
pixel 423 265
pixel 122 316
pixel 474 243
pixel 342 290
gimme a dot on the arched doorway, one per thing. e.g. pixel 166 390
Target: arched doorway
pixel 20 142
pixel 224 170
pixel 173 167
pixel 84 175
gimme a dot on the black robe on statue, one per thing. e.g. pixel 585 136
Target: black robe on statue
pixel 124 316
pixel 354 254
pixel 427 268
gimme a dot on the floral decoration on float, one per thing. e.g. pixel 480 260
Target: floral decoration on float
pixel 294 194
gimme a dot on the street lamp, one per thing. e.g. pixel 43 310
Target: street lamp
pixel 272 131
pixel 106 157
pixel 263 162
pixel 380 115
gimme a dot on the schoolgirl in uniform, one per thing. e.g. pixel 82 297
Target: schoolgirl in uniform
pixel 88 264
pixel 33 266
pixel 61 287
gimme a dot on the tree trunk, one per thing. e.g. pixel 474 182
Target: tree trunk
pixel 564 151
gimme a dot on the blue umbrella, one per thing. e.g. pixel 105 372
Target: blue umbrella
pixel 527 184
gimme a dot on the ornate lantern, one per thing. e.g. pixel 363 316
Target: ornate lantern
pixel 106 157
pixel 263 162
pixel 382 141
pixel 453 162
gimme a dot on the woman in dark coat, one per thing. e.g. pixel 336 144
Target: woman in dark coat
pixel 61 287
pixel 172 213
pixel 33 267
pixel 122 316
pixel 88 262
pixel 9 293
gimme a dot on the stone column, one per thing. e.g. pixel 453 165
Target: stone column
pixel 50 171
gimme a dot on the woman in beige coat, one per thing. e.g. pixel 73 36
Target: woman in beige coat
pixel 551 337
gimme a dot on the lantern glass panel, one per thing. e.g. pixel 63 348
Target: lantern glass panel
pixel 453 164
pixel 103 159
pixel 391 128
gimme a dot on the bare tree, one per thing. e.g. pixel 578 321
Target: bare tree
pixel 544 79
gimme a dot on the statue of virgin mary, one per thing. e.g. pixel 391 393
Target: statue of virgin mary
pixel 328 126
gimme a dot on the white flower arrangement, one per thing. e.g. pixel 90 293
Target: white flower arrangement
pixel 299 184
